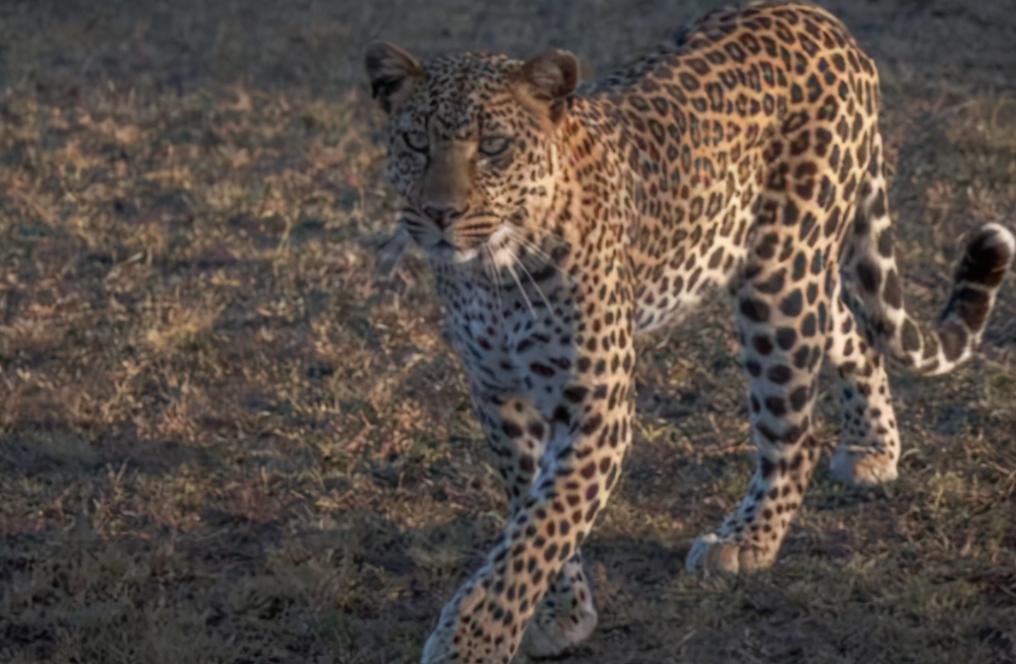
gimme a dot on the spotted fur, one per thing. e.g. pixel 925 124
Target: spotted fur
pixel 562 221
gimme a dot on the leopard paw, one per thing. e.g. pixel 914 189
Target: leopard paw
pixel 548 638
pixel 862 469
pixel 714 554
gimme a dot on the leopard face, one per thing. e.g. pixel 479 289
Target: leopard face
pixel 471 145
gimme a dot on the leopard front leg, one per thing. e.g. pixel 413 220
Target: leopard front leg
pixel 518 437
pixel 584 423
pixel 783 322
pixel 589 430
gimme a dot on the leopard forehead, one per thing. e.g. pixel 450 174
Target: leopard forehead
pixel 462 88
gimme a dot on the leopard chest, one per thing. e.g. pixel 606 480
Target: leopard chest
pixel 508 344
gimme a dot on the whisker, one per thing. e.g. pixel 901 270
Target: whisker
pixel 488 255
pixel 528 244
pixel 539 252
pixel 533 248
pixel 517 235
pixel 539 291
pixel 522 290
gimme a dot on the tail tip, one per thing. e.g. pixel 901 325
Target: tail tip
pixel 989 254
pixel 998 239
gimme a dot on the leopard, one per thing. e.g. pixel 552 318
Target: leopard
pixel 564 218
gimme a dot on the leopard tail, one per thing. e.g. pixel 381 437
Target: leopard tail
pixel 875 293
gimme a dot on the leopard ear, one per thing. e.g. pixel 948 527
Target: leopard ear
pixel 393 73
pixel 549 79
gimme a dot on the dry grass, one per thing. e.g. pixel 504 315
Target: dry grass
pixel 221 440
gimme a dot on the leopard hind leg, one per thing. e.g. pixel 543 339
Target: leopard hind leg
pixel 783 316
pixel 868 450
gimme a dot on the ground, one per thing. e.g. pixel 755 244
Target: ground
pixel 224 438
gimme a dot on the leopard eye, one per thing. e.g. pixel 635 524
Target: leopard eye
pixel 416 140
pixel 493 145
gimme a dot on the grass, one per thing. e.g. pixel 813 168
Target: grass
pixel 222 439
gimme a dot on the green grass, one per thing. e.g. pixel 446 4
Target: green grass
pixel 222 439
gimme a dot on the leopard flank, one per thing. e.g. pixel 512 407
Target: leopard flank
pixel 562 220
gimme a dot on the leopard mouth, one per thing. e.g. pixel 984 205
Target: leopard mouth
pixel 480 237
pixel 473 239
pixel 496 249
pixel 447 250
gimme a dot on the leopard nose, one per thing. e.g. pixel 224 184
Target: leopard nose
pixel 444 215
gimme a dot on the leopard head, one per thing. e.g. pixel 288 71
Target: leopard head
pixel 471 140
